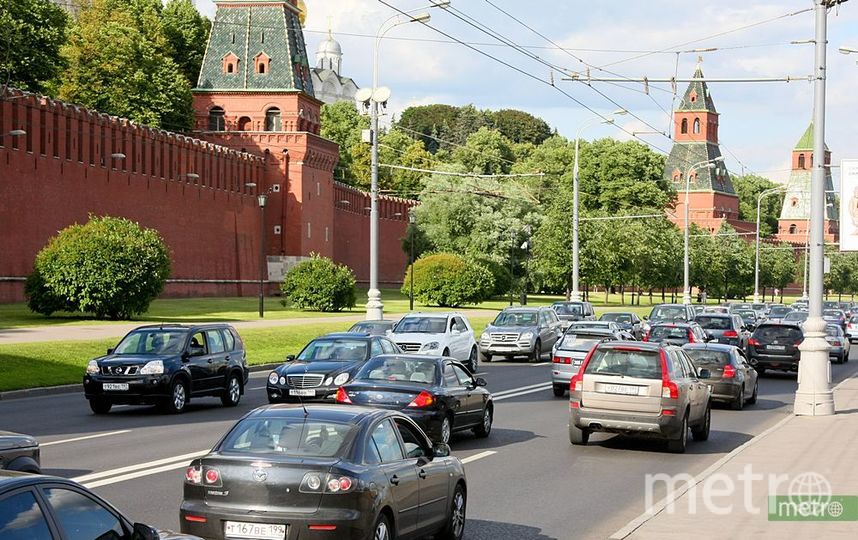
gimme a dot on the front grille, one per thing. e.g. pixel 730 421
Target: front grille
pixel 119 370
pixel 410 347
pixel 504 338
pixel 311 380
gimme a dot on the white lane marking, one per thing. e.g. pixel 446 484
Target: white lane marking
pixel 139 466
pixel 524 392
pixel 481 455
pixel 84 438
pixel 257 388
pixel 519 389
pixel 540 364
pixel 131 476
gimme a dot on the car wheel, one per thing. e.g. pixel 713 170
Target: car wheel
pixel 578 436
pixel 677 446
pixel 559 390
pixel 381 530
pixel 482 431
pixel 473 363
pixel 178 399
pixel 487 358
pixel 455 527
pixel 738 403
pixel 232 394
pixel 701 432
pixel 100 406
pixel 536 355
pixel 446 430
pixel 753 398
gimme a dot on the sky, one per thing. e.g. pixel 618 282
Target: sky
pixel 760 122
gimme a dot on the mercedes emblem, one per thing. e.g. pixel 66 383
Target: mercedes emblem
pixel 260 475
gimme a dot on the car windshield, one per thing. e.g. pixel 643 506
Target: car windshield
pixel 421 325
pixel 747 315
pixel 295 437
pixel 516 318
pixel 796 316
pixel 623 318
pixel 152 341
pixel 833 330
pixel 742 306
pixel 703 357
pixel 759 306
pixel 398 368
pixel 714 323
pixel 625 362
pixel 832 313
pixel 779 311
pixel 370 327
pixel 568 309
pixel 782 333
pixel 334 350
pixel 668 313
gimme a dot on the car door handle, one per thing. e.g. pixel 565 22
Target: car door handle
pixel 394 480
pixel 422 473
pixel 210 360
pixel 227 358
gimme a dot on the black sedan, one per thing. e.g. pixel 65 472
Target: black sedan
pixel 36 507
pixel 19 452
pixel 325 472
pixel 436 392
pixel 323 365
pixel 374 328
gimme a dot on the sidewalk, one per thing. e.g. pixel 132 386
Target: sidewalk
pixel 795 449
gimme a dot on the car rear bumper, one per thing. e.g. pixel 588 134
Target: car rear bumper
pixel 769 361
pixel 725 391
pixel 350 524
pixel 561 378
pixel 145 389
pixel 636 424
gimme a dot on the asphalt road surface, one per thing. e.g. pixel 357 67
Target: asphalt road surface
pixel 525 481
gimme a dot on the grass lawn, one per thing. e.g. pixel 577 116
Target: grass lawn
pixel 30 365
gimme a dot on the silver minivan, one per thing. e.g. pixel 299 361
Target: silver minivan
pixel 640 389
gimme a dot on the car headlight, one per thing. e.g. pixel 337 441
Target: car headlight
pixel 273 377
pixel 92 367
pixel 155 367
pixel 341 379
pixel 485 336
pixel 328 381
pixel 430 346
pixel 527 335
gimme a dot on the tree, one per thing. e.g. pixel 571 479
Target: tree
pixel 748 188
pixel 468 121
pixel 485 152
pixel 447 279
pixel 428 121
pixel 187 33
pixel 778 266
pixel 110 267
pixel 554 158
pixel 521 127
pixel 342 123
pixel 398 148
pixel 319 284
pixel 31 34
pixel 119 63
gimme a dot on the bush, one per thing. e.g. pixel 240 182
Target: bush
pixel 110 267
pixel 319 284
pixel 445 279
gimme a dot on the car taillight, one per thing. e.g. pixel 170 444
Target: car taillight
pixel 193 475
pixel 646 337
pixel 668 387
pixel 797 343
pixel 691 337
pixel 315 482
pixel 754 342
pixel 731 333
pixel 729 372
pixel 212 476
pixel 561 360
pixel 836 342
pixel 576 384
pixel 423 399
pixel 342 397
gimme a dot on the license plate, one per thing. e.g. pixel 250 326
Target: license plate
pixel 713 340
pixel 620 389
pixel 777 347
pixel 302 392
pixel 262 531
pixel 115 386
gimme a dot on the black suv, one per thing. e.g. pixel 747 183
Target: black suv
pixel 775 346
pixel 166 365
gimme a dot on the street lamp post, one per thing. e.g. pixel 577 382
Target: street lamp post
pixel 576 290
pixel 262 199
pixel 412 220
pixel 710 164
pixel 757 256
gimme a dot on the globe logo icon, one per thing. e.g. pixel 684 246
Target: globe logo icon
pixel 810 490
pixel 834 509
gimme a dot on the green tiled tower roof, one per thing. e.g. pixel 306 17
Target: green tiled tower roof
pixel 797 200
pixel 806 141
pixel 702 99
pixel 685 154
pixel 247 29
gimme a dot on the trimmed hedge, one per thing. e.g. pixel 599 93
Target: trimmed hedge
pixel 110 267
pixel 448 280
pixel 319 284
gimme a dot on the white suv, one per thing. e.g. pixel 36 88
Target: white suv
pixel 439 334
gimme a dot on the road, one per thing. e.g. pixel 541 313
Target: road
pixel 525 482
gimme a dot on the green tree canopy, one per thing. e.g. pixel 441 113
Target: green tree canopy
pixel 342 123
pixel 778 266
pixel 485 152
pixel 428 121
pixel 748 188
pixel 521 127
pixel 31 34
pixel 187 33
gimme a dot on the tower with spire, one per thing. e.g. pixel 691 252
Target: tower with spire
pixel 794 221
pixel 712 199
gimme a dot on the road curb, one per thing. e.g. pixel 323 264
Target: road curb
pixel 642 519
pixel 72 388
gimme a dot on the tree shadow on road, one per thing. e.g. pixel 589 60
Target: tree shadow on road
pixel 498 438
pixel 478 529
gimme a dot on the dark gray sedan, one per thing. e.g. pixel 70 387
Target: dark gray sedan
pixel 732 378
pixel 729 329
pixel 19 452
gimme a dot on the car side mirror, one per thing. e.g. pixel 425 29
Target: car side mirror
pixel 646 317
pixel 110 350
pixel 144 532
pixel 704 374
pixel 290 357
pixel 455 332
pixel 197 351
pixel 479 381
pixel 440 450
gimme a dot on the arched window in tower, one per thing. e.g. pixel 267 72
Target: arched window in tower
pixel 792 229
pixel 801 164
pixel 696 125
pixel 230 63
pixel 216 119
pixel 683 128
pixel 261 63
pixel 244 123
pixel 272 119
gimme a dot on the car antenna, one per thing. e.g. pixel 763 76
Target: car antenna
pixel 301 401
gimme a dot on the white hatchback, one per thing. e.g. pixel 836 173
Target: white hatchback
pixel 447 334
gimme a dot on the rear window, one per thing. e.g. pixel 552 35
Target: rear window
pixel 568 309
pixel 297 437
pixel 624 318
pixel 834 331
pixel 771 333
pixel 703 357
pixel 779 311
pixel 714 323
pixel 798 316
pixel 668 313
pixel 625 362
pixel 416 370
pixel 831 313
pixel 668 332
pixel 577 339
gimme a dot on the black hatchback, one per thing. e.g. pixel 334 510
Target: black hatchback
pixel 775 346
pixel 166 365
pixel 325 473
